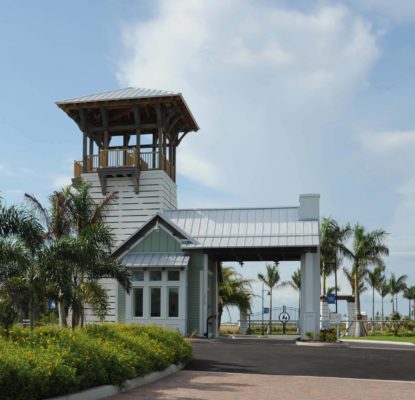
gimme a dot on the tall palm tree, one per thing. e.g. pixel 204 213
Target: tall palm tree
pixel 350 276
pixel 409 294
pixel 368 249
pixel 397 284
pixel 332 247
pixel 383 290
pixel 233 290
pixel 375 278
pixel 271 279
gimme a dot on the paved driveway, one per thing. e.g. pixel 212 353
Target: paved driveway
pixel 271 369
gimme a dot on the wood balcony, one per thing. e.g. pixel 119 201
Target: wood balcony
pixel 124 159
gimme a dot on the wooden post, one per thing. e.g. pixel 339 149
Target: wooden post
pixel 137 121
pixel 153 166
pixel 84 141
pixel 104 160
pixel 160 136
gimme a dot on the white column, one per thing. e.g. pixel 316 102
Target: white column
pixel 203 282
pixel 310 294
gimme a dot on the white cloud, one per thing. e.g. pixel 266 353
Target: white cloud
pixel 397 10
pixel 388 142
pixel 259 79
pixel 61 181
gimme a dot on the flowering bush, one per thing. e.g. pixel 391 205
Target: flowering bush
pixel 53 361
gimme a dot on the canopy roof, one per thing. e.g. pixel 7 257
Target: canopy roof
pixel 156 260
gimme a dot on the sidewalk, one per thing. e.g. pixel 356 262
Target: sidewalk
pixel 236 386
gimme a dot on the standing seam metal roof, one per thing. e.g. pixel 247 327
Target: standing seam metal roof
pixel 249 227
pixel 173 260
pixel 121 94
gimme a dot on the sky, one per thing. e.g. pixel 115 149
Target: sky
pixel 291 96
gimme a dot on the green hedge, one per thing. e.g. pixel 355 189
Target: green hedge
pixel 53 361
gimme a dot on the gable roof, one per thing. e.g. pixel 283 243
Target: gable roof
pixel 160 219
pixel 156 260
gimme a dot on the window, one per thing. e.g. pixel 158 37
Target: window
pixel 138 276
pixel 138 302
pixel 155 302
pixel 173 276
pixel 173 302
pixel 155 275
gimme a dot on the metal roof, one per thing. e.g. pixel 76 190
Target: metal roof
pixel 246 227
pixel 152 260
pixel 120 94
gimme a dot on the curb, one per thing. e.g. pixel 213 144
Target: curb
pixel 321 344
pixel 104 391
pixel 378 342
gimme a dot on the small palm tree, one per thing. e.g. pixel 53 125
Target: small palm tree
pixel 409 294
pixel 233 291
pixel 375 278
pixel 271 280
pixel 295 283
pixel 383 291
pixel 396 285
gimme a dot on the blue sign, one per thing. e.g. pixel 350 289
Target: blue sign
pixel 331 298
pixel 52 304
pixel 266 310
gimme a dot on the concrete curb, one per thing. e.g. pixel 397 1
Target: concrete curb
pixel 321 344
pixel 378 342
pixel 102 392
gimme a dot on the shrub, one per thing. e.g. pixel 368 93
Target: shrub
pixel 328 335
pixel 53 361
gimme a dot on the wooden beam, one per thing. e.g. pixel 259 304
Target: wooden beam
pixel 84 125
pixel 160 135
pixel 104 117
pixel 119 128
pixel 137 122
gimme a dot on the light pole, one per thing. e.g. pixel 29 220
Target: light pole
pixel 262 313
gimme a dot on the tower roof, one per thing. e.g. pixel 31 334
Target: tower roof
pixel 128 93
pixel 121 102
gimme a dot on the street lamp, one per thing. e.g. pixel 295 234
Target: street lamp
pixel 262 296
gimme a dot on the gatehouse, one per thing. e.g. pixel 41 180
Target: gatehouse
pixel 129 142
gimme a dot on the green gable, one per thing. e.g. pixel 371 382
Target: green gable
pixel 157 241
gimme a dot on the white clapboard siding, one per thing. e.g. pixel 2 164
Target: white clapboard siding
pixel 156 192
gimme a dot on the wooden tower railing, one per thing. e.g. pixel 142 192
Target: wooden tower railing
pixel 117 158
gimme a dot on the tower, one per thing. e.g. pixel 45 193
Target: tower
pixel 129 146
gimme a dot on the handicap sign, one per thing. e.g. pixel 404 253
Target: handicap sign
pixel 284 317
pixel 331 298
pixel 266 310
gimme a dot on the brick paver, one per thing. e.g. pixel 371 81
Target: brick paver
pixel 187 385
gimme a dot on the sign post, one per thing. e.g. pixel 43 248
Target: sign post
pixel 284 317
pixel 336 318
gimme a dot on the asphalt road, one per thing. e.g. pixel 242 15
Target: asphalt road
pixel 282 357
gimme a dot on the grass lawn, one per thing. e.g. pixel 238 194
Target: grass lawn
pixel 407 339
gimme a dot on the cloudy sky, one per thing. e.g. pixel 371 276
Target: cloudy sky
pixel 291 96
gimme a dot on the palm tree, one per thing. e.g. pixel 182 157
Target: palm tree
pixel 233 291
pixel 409 294
pixel 79 252
pixel 375 278
pixel 271 280
pixel 295 283
pixel 396 285
pixel 20 239
pixel 368 249
pixel 332 247
pixel 383 291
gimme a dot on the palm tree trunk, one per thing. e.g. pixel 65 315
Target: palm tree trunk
pixel 359 331
pixel 381 324
pixel 62 314
pixel 373 309
pixel 324 281
pixel 270 312
pixel 393 304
